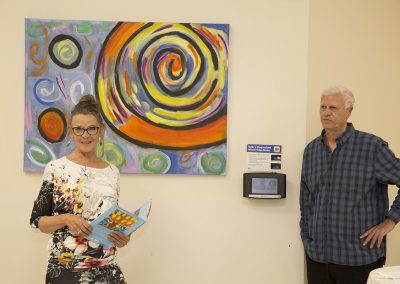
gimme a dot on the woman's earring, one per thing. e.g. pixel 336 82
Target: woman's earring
pixel 101 147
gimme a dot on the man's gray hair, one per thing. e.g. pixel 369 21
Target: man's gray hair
pixel 346 93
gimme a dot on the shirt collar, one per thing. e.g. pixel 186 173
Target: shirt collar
pixel 342 138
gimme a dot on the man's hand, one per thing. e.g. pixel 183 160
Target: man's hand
pixel 376 234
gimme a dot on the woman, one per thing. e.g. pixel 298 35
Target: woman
pixel 75 190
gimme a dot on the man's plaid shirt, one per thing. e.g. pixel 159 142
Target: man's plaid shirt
pixel 344 193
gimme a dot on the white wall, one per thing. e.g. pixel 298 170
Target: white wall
pixel 201 230
pixel 357 43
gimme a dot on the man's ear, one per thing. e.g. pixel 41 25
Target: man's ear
pixel 350 110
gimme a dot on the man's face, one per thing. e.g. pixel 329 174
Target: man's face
pixel 333 113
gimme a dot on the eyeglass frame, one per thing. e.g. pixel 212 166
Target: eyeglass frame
pixel 86 130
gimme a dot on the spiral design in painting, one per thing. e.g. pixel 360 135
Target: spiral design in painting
pixel 52 125
pixel 44 92
pixel 213 162
pixel 39 152
pixel 164 85
pixel 156 162
pixel 65 51
pixel 112 153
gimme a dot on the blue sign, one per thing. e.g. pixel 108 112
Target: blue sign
pixel 263 148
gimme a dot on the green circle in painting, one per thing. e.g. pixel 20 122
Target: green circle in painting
pixel 213 163
pixel 113 153
pixel 38 153
pixel 156 163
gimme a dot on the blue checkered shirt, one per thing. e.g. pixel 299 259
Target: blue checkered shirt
pixel 344 193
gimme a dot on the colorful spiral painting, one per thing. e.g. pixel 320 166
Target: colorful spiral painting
pixel 162 88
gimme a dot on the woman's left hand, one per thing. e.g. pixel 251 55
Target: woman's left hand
pixel 118 239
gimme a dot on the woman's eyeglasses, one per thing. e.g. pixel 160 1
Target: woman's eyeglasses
pixel 91 130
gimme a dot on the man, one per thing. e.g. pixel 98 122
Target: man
pixel 344 196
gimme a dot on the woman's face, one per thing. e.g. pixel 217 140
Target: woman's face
pixel 86 132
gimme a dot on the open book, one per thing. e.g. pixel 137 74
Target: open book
pixel 118 219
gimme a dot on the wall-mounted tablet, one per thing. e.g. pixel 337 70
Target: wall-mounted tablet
pixel 264 185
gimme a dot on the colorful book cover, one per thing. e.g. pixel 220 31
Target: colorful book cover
pixel 118 219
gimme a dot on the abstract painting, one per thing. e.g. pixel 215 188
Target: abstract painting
pixel 162 90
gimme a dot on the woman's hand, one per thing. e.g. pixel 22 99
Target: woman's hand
pixel 118 239
pixel 77 225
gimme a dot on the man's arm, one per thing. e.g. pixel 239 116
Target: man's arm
pixel 305 208
pixel 387 169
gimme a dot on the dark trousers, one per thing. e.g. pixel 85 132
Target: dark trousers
pixel 322 273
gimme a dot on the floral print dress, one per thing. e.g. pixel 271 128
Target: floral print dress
pixel 74 189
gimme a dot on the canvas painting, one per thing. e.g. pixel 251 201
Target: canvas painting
pixel 162 90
